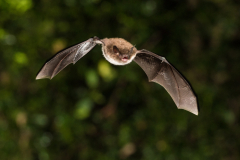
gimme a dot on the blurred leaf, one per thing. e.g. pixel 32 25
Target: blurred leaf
pixel 92 78
pixel 40 119
pixel 106 71
pixel 21 58
pixel 83 108
pixel 98 97
pixel 2 33
pixel 58 45
pixel 19 5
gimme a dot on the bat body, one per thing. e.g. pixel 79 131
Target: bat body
pixel 120 52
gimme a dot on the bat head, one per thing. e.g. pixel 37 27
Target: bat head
pixel 118 51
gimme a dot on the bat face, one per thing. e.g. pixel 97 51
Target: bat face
pixel 118 51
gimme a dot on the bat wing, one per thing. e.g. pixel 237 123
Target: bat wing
pixel 159 70
pixel 65 57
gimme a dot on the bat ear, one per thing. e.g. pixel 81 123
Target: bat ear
pixel 115 49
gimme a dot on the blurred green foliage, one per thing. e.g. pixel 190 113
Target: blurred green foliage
pixel 94 110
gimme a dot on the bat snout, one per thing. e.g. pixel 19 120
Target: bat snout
pixel 125 58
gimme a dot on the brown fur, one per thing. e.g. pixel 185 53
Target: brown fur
pixel 123 45
pixel 125 48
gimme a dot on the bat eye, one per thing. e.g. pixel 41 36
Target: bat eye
pixel 115 49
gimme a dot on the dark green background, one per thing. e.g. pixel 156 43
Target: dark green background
pixel 94 110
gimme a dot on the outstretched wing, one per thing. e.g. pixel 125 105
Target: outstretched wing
pixel 159 70
pixel 65 57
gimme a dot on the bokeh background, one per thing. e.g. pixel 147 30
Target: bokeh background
pixel 94 110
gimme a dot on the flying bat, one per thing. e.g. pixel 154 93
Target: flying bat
pixel 120 52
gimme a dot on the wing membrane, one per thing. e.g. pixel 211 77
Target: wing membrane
pixel 159 70
pixel 64 58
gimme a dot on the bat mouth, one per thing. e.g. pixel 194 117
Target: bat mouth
pixel 125 59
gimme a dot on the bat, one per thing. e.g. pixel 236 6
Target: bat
pixel 120 52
